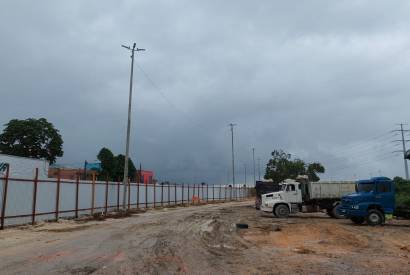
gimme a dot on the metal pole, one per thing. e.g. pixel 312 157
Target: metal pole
pixel 233 157
pixel 406 168
pixel 127 143
pixel 77 189
pixel 33 215
pixel 58 193
pixel 3 202
pixel 254 170
pixel 93 195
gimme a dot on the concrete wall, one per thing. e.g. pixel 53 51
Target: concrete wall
pixel 25 168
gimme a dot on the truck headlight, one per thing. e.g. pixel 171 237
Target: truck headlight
pixel 355 207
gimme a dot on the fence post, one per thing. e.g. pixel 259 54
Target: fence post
pixel 207 194
pixel 106 195
pixel 92 194
pixel 138 195
pixel 58 193
pixel 154 194
pixel 118 195
pixel 77 187
pixel 33 215
pixel 175 193
pixel 169 193
pixel 183 201
pixel 188 195
pixel 213 192
pixel 162 194
pixel 146 195
pixel 129 193
pixel 3 206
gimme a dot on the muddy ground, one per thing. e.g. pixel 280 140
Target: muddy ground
pixel 205 240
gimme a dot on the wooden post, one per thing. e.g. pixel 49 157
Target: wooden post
pixel 77 188
pixel 106 195
pixel 93 194
pixel 58 193
pixel 33 214
pixel 3 204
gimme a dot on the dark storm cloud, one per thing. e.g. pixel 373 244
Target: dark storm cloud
pixel 320 79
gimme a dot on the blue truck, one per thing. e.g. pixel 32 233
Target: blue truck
pixel 373 202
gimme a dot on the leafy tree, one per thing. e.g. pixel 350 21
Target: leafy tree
pixel 119 168
pixel 107 163
pixel 281 166
pixel 36 138
pixel 313 169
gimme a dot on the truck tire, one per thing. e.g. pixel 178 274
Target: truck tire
pixel 374 217
pixel 282 211
pixel 357 220
pixel 335 212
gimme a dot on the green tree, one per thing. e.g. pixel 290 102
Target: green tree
pixel 36 138
pixel 281 166
pixel 119 168
pixel 313 169
pixel 107 164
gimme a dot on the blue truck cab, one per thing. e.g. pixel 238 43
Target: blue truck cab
pixel 373 201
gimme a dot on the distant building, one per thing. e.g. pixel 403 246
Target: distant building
pixel 145 176
pixel 66 173
pixel 23 168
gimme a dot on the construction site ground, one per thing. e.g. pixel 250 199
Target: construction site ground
pixel 205 240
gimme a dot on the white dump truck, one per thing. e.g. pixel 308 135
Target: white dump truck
pixel 303 196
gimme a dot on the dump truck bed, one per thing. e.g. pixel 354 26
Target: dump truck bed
pixel 330 189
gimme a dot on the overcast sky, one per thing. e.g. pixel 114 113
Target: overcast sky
pixel 323 80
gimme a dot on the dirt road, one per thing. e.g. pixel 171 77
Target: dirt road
pixel 204 240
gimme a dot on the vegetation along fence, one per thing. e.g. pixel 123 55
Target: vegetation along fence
pixel 29 200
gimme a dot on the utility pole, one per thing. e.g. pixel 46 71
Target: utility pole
pixel 403 141
pixel 127 143
pixel 259 168
pixel 254 170
pixel 245 172
pixel 233 157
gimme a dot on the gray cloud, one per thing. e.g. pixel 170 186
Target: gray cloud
pixel 320 79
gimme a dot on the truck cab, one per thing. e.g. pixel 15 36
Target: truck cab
pixel 282 202
pixel 373 200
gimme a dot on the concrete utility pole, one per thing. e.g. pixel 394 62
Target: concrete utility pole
pixel 406 168
pixel 244 165
pixel 233 157
pixel 254 170
pixel 127 143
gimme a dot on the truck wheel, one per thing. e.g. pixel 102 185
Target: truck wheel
pixel 374 217
pixel 357 220
pixel 335 212
pixel 282 211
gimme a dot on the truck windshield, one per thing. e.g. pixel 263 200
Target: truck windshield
pixel 283 187
pixel 365 187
